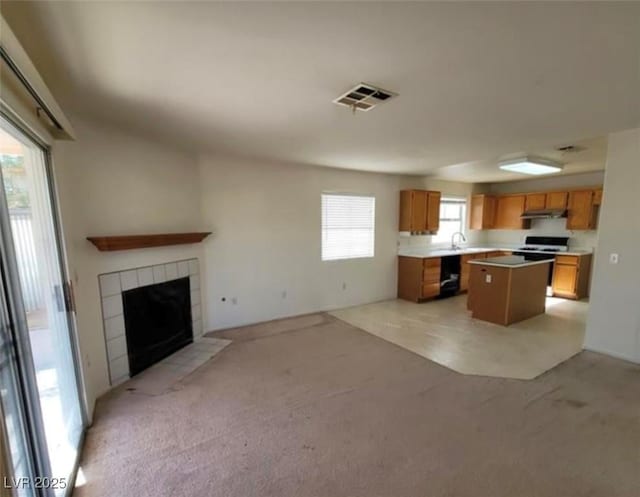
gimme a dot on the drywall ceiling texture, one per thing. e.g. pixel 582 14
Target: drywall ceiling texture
pixel 553 182
pixel 265 256
pixel 476 80
pixel 112 183
pixel 587 155
pixel 613 323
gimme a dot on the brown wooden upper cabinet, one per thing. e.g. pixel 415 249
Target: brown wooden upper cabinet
pixel 535 201
pixel 504 211
pixel 597 197
pixel 581 210
pixel 419 211
pixel 556 200
pixel 509 208
pixel 483 212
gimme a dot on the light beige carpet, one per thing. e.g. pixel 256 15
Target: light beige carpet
pixel 329 410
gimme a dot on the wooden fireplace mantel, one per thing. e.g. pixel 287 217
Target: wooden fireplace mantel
pixel 128 242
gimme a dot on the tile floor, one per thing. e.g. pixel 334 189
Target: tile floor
pixel 161 377
pixel 443 331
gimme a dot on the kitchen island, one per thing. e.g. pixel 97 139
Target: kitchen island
pixel 508 289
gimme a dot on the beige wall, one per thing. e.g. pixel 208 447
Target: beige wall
pixel 109 183
pixel 266 222
pixel 613 324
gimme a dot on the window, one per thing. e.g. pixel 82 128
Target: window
pixel 348 226
pixel 452 218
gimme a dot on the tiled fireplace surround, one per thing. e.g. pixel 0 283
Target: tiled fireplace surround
pixel 111 287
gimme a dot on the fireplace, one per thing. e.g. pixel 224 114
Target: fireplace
pixel 114 291
pixel 157 322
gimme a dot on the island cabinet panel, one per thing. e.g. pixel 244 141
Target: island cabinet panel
pixel 535 201
pixel 483 212
pixel 505 295
pixel 419 211
pixel 528 289
pixel 571 274
pixel 488 305
pixel 509 208
pixel 581 212
pixel 418 278
pixel 556 200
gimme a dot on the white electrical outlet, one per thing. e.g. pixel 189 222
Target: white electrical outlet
pixel 488 278
pixel 613 258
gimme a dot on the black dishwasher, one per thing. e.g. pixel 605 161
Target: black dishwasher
pixel 449 276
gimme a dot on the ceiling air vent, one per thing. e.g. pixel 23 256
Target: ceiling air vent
pixel 569 149
pixel 364 97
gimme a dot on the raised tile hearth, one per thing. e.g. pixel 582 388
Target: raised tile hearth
pixel 112 286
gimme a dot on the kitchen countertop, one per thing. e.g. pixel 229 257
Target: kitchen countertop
pixel 511 261
pixel 426 253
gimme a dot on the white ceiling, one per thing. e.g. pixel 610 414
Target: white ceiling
pixel 588 155
pixel 476 81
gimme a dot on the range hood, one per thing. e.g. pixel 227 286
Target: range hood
pixel 544 214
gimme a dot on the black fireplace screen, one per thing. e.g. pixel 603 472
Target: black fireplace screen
pixel 158 322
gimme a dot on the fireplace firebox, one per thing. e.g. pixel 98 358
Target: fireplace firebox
pixel 158 322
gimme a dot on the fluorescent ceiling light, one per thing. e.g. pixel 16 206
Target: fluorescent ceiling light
pixel 530 165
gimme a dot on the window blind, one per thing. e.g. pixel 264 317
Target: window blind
pixel 348 226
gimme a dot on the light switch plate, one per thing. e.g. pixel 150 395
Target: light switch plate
pixel 488 278
pixel 613 258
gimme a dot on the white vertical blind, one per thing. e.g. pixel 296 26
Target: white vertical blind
pixel 348 226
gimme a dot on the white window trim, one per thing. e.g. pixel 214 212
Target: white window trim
pixel 463 221
pixel 369 251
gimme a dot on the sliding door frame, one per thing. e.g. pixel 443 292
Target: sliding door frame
pixel 20 331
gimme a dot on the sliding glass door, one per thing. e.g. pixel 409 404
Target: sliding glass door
pixel 41 404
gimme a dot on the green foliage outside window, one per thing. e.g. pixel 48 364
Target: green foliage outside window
pixel 15 181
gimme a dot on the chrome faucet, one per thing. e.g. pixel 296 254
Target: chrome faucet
pixel 453 238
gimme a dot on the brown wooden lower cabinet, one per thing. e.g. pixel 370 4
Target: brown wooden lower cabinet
pixel 465 269
pixel 418 278
pixel 571 276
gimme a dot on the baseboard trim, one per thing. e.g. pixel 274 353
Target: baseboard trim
pixel 610 353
